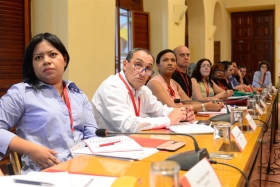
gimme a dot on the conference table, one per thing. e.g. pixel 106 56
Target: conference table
pixel 247 160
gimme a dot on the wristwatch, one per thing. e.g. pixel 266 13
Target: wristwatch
pixel 203 107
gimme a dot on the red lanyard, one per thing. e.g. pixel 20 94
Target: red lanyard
pixel 137 112
pixel 206 88
pixel 222 86
pixel 68 106
pixel 263 79
pixel 171 91
pixel 186 82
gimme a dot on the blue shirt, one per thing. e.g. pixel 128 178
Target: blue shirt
pixel 43 118
pixel 257 77
pixel 233 82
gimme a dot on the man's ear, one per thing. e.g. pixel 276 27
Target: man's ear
pixel 125 62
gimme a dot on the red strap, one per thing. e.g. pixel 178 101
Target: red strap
pixel 206 88
pixel 137 112
pixel 263 79
pixel 171 91
pixel 68 106
pixel 186 82
pixel 222 86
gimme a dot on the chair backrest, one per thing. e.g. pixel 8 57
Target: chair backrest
pixel 14 167
pixel 191 68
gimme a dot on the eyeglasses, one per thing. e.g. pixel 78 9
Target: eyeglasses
pixel 140 69
pixel 220 71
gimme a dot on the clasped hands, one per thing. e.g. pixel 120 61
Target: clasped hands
pixel 181 114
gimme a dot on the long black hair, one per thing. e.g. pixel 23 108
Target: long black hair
pixel 28 71
pixel 196 72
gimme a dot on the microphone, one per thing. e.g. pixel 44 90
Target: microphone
pixel 221 117
pixel 186 160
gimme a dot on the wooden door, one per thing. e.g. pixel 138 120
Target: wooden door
pixel 252 39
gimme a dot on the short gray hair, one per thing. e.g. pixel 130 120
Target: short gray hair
pixel 131 53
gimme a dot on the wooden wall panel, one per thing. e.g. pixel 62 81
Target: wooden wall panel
pixel 12 41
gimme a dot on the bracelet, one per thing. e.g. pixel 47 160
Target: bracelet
pixel 203 107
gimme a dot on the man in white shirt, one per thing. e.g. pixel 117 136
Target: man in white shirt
pixel 122 103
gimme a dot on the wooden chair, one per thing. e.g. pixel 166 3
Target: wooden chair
pixel 14 167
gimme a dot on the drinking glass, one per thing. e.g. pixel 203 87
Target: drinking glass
pixel 264 94
pixel 236 118
pixel 221 137
pixel 164 174
pixel 257 98
pixel 251 106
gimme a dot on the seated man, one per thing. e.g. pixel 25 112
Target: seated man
pixel 122 102
pixel 180 75
pixel 243 70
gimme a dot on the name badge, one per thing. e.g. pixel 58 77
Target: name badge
pixel 269 95
pixel 200 175
pixel 239 138
pixel 251 122
pixel 260 111
pixel 77 146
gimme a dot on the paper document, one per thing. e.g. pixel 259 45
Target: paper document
pixel 134 155
pixel 112 144
pixel 189 128
pixel 238 97
pixel 222 111
pixel 56 179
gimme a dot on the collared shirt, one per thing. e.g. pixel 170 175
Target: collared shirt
pixel 257 77
pixel 42 117
pixel 113 108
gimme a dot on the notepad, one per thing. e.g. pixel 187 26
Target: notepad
pixel 191 129
pixel 122 144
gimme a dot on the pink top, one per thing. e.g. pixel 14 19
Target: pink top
pixel 169 92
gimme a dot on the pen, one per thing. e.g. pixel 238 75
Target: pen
pixel 88 183
pixel 21 181
pixel 107 144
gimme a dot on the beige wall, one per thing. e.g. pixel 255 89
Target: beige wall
pixel 165 33
pixel 87 28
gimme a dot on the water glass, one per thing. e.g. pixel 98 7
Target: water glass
pixel 257 98
pixel 251 106
pixel 164 174
pixel 221 137
pixel 236 118
pixel 264 94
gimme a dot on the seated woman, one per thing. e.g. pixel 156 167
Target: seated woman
pixel 52 115
pixel 204 88
pixel 262 78
pixel 167 90
pixel 218 76
pixel 230 79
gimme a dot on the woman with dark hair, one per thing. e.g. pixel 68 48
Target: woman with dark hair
pixel 204 88
pixel 52 115
pixel 231 80
pixel 262 78
pixel 218 76
pixel 169 91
